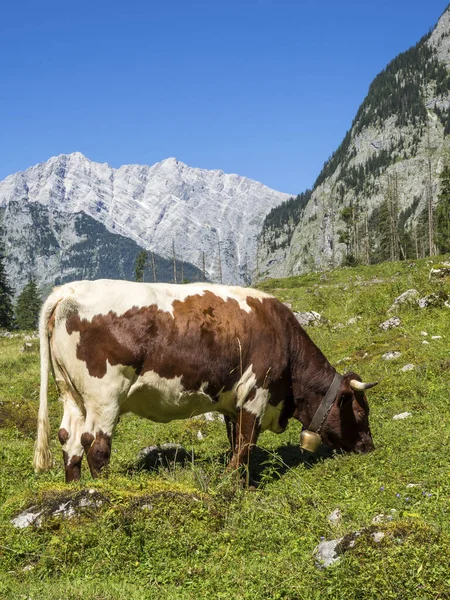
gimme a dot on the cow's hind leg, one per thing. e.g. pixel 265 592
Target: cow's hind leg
pixel 97 434
pixel 69 434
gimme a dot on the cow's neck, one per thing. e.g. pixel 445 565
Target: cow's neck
pixel 312 376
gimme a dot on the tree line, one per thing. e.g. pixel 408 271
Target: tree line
pixel 24 313
pixel 389 234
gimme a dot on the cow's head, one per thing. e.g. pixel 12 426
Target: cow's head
pixel 347 424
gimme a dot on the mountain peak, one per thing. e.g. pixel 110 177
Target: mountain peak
pixel 207 219
pixel 170 161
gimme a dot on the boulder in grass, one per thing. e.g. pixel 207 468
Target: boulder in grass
pixel 27 347
pixel 402 416
pixel 309 318
pixel 335 517
pixel 154 457
pixel 408 297
pixel 440 271
pixel 63 506
pixel 390 323
pixel 392 355
pixel 437 300
pixel 329 552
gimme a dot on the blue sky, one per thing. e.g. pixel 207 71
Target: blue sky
pixel 266 89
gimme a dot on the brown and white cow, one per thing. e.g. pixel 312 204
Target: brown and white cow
pixel 169 352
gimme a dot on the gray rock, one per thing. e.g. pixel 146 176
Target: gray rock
pixel 27 517
pixel 343 360
pixel 438 272
pixel 154 457
pixel 329 552
pixel 27 347
pixel 437 300
pixel 408 367
pixel 407 297
pixel 381 518
pixel 210 416
pixel 66 507
pixel 390 323
pixel 30 338
pixel 401 416
pixel 335 517
pixel 309 318
pixel 392 355
pixel 326 553
pixel 353 320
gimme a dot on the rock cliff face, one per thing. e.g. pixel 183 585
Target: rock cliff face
pixel 55 247
pixel 203 215
pixel 390 160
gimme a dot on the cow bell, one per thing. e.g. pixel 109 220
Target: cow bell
pixel 309 440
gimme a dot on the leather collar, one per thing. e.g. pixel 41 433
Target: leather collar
pixel 325 406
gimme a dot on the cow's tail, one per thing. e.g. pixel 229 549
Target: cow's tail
pixel 42 454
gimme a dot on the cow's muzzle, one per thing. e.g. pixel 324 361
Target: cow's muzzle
pixel 364 445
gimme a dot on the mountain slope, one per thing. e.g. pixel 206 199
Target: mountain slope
pixel 55 247
pixel 390 160
pixel 203 215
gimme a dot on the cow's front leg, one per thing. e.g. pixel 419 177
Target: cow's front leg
pixel 246 430
pixel 231 432
pixel 98 451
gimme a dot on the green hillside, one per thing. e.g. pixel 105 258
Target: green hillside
pixel 191 531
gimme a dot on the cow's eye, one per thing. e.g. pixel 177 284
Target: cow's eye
pixel 345 399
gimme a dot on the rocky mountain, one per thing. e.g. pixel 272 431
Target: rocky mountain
pixel 55 247
pixel 376 196
pixel 205 217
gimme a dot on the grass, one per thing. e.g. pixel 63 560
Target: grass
pixel 190 531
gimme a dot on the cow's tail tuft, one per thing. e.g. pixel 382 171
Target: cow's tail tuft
pixel 43 460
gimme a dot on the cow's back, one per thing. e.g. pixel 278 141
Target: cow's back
pixel 169 350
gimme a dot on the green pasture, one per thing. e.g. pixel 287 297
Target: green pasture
pixel 192 531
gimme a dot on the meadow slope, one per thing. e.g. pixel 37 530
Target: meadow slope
pixel 189 531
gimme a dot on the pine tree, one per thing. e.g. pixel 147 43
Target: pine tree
pixel 347 236
pixel 139 266
pixel 155 277
pixel 392 206
pixel 443 212
pixel 6 306
pixel 174 262
pixel 28 306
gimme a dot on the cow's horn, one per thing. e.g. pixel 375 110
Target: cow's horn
pixel 359 385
